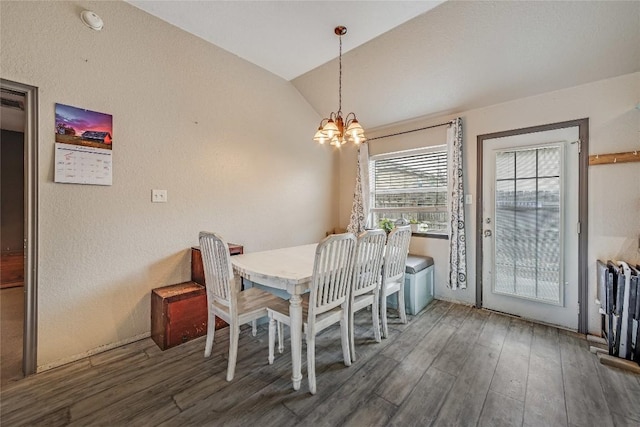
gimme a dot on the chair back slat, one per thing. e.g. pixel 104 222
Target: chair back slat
pixel 332 272
pixel 218 272
pixel 368 261
pixel 395 257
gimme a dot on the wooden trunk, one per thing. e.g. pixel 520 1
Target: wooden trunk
pixel 197 270
pixel 178 314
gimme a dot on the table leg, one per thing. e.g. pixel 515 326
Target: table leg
pixel 295 313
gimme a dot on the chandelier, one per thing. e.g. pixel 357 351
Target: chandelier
pixel 336 129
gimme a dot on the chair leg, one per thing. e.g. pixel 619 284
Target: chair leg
pixel 344 334
pixel 272 338
pixel 383 315
pixel 211 330
pixel 254 327
pixel 311 361
pixel 234 334
pixel 375 317
pixel 352 344
pixel 401 310
pixel 280 338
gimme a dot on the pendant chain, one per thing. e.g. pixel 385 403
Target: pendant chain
pixel 340 79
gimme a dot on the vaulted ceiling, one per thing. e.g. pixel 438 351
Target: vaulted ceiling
pixel 409 59
pixel 287 38
pixel 464 55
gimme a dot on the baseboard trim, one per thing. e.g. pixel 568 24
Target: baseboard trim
pixel 97 350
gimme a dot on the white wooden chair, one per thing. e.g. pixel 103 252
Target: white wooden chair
pixel 365 285
pixel 327 302
pixel 393 268
pixel 224 298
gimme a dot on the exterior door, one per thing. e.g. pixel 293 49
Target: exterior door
pixel 530 226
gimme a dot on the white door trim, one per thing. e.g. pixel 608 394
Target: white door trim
pixel 583 126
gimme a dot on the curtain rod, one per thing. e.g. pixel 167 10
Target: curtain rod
pixel 409 131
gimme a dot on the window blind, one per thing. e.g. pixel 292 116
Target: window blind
pixel 413 187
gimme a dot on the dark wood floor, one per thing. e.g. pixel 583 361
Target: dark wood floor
pixel 451 365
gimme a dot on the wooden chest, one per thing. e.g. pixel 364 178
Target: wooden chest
pixel 178 314
pixel 197 269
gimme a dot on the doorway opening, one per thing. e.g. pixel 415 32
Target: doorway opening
pixel 18 241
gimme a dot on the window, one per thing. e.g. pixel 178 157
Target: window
pixel 411 185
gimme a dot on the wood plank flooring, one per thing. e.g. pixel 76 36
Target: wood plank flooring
pixel 451 365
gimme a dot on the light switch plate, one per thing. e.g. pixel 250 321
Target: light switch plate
pixel 468 199
pixel 159 196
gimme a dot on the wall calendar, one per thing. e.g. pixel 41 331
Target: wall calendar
pixel 83 149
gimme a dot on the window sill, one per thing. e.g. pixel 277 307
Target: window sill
pixel 431 235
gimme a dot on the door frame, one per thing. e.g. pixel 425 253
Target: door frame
pixel 583 208
pixel 30 328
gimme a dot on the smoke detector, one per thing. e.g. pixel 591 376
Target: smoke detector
pixel 91 20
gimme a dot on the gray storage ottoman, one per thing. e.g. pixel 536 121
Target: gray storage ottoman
pixel 418 284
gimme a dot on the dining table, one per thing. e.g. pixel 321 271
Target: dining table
pixel 289 269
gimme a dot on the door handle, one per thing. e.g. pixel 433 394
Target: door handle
pixel 487 233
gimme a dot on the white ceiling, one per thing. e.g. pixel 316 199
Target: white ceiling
pixel 463 55
pixel 415 60
pixel 287 38
pixel 411 59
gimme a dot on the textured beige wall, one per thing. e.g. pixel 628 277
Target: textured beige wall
pixel 614 125
pixel 229 141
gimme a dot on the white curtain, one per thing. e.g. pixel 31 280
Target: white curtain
pixel 457 240
pixel 361 196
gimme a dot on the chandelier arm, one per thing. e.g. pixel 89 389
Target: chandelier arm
pixel 349 118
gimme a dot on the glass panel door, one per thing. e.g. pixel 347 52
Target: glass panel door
pixel 528 218
pixel 529 225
